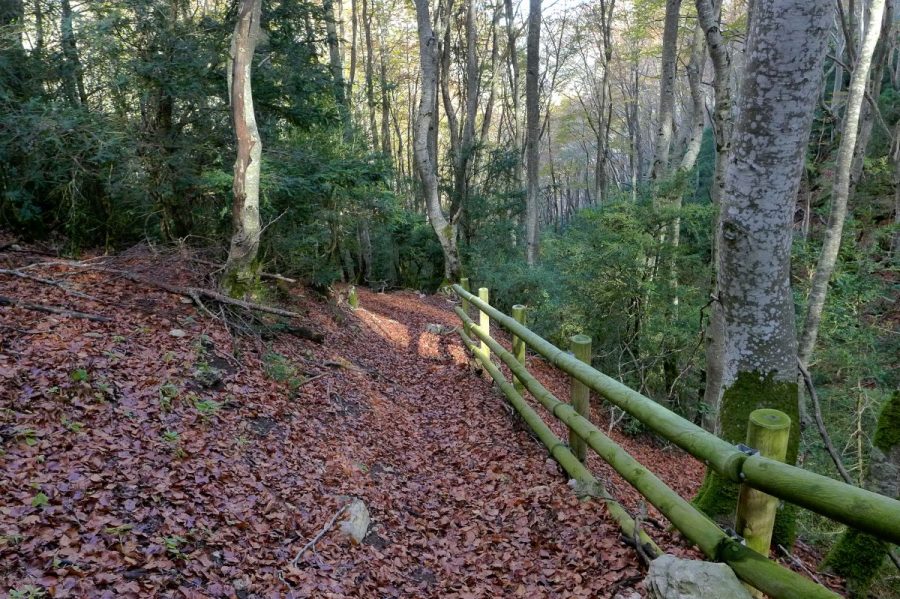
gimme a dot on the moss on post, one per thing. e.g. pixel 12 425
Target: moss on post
pixel 857 556
pixel 353 298
pixel 484 321
pixel 751 391
pixel 767 432
pixel 464 283
pixel 580 393
pixel 518 346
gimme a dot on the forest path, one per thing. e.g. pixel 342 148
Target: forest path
pixel 153 454
pixel 463 499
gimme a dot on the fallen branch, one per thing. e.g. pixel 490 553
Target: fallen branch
pixel 11 301
pixel 51 282
pixel 321 534
pixel 262 275
pixel 820 424
pixel 196 293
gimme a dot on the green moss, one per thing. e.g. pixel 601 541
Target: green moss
pixel 718 497
pixel 857 557
pixel 887 432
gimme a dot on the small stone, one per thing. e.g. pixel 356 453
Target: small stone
pixel 670 577
pixel 178 333
pixel 186 300
pixel 356 523
pixel 435 329
pixel 93 335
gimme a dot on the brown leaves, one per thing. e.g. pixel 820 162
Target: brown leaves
pixel 149 496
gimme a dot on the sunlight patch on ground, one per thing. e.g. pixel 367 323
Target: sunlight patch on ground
pixel 385 328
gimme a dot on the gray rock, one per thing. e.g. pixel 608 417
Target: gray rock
pixel 673 578
pixel 356 523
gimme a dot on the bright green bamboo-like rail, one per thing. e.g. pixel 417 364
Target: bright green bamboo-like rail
pixel 861 509
pixel 751 567
pixel 561 453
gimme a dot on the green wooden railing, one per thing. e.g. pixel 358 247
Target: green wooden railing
pixel 858 508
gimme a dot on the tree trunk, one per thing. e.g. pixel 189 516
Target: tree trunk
pixel 240 272
pixel 695 70
pixel 73 75
pixel 337 67
pixel 424 148
pixel 708 17
pixel 370 73
pixel 841 188
pixel 666 91
pixel 532 131
pixel 786 47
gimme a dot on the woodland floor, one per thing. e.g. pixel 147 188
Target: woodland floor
pixel 156 454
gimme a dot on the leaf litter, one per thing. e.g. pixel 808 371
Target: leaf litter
pixel 129 469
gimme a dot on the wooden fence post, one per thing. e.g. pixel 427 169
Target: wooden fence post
pixel 518 345
pixel 767 432
pixel 580 393
pixel 464 283
pixel 484 322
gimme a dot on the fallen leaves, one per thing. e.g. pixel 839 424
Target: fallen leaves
pixel 179 483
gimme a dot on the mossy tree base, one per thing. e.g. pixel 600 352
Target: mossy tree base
pixel 856 556
pixel 717 497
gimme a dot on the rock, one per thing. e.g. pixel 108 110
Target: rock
pixel 356 522
pixel 673 578
pixel 177 333
pixel 437 329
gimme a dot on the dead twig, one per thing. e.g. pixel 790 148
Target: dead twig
pixel 11 301
pixel 820 424
pixel 797 562
pixel 321 534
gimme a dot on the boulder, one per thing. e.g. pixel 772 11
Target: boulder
pixel 674 578
pixel 356 523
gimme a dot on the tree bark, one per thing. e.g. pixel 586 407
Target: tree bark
pixel 666 91
pixel 786 47
pixel 73 74
pixel 425 150
pixel 532 131
pixel 841 187
pixel 337 67
pixel 240 271
pixel 708 16
pixel 370 73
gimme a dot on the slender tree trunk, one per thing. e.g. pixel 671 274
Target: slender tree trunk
pixel 337 67
pixel 240 270
pixel 354 47
pixel 385 97
pixel 841 187
pixel 370 73
pixel 666 91
pixel 425 150
pixel 695 70
pixel 532 130
pixel 786 47
pixel 73 75
pixel 708 17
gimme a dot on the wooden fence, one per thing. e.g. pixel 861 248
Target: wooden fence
pixel 866 511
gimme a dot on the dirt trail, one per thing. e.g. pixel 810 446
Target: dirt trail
pixel 141 459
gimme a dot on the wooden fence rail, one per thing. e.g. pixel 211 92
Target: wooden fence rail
pixel 751 567
pixel 861 509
